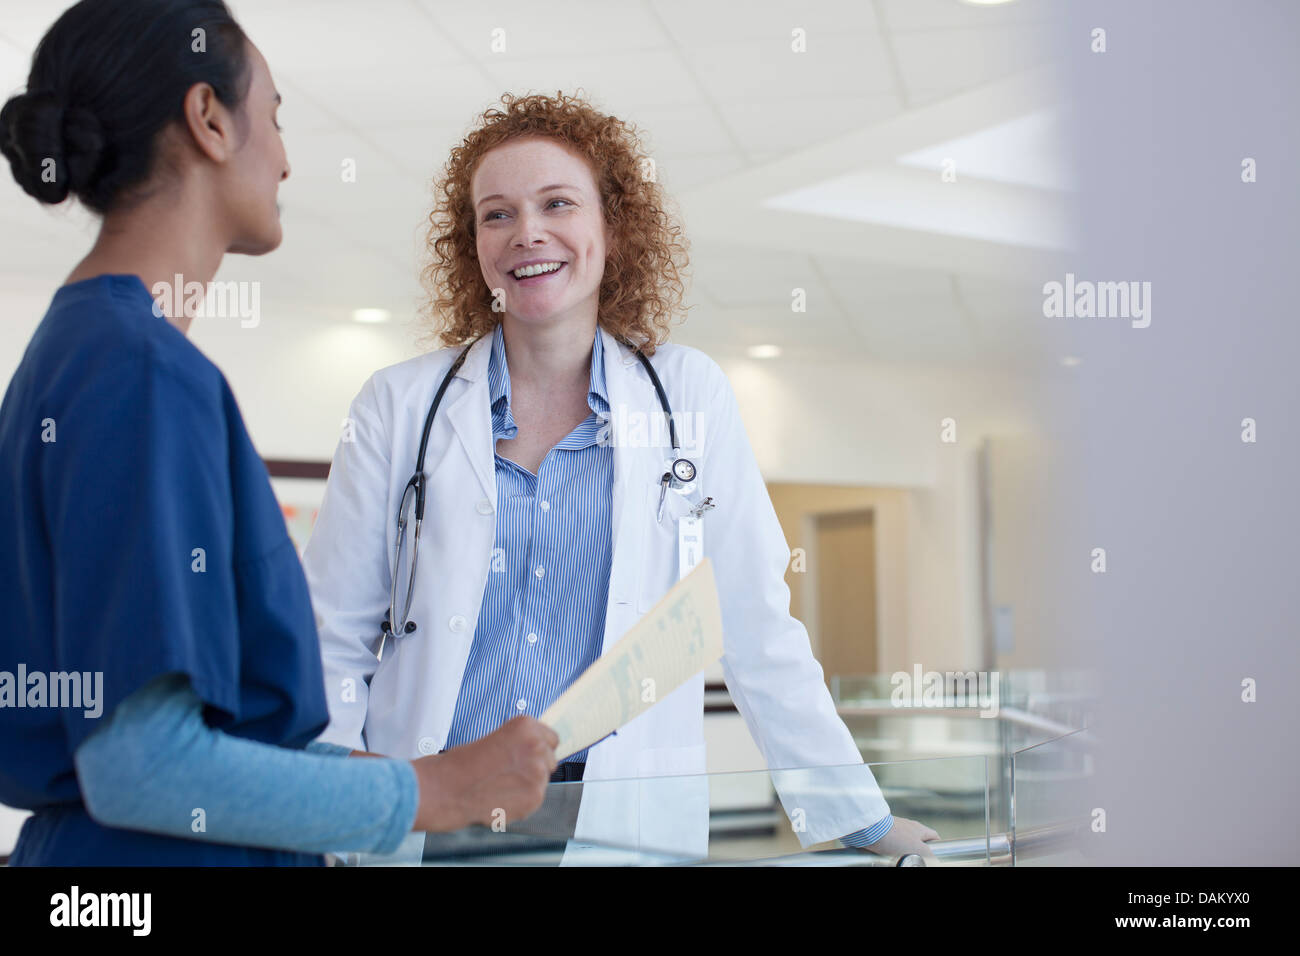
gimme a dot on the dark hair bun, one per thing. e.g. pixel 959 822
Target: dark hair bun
pixel 52 149
pixel 106 79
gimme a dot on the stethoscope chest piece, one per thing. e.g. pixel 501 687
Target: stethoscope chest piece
pixel 680 477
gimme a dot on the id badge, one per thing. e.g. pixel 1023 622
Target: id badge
pixel 690 544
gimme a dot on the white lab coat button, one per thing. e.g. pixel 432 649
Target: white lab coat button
pixel 532 638
pixel 540 571
pixel 428 746
pixel 544 505
pixel 520 704
pixel 457 623
pixel 484 507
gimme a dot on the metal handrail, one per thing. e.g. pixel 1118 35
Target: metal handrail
pixel 998 850
pixel 1013 715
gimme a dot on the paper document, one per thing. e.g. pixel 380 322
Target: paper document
pixel 674 641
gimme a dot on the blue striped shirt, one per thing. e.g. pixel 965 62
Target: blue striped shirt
pixel 542 622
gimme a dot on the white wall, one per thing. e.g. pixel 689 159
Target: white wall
pixel 295 379
pixel 880 425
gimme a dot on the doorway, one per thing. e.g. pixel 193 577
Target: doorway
pixel 844 591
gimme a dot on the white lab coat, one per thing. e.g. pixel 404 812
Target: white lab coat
pixel 403 705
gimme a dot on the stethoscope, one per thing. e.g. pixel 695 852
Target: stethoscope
pixel 680 473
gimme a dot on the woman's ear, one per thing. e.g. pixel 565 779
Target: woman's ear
pixel 207 122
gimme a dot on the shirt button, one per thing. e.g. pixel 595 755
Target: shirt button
pixel 532 638
pixel 428 746
pixel 521 704
pixel 544 505
pixel 540 571
pixel 457 623
pixel 484 507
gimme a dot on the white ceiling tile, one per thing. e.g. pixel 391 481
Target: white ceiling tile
pixel 522 29
pixel 686 129
pixel 300 112
pixel 769 69
pixel 447 97
pixel 611 80
pixel 327 162
pixel 757 279
pixel 420 151
pixel 360 41
pixel 341 276
pixel 903 15
pixel 693 24
pixel 381 62
pixel 950 60
pixel 779 126
pixel 683 173
pixel 856 281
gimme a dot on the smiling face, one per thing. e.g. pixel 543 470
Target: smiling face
pixel 535 201
pixel 256 169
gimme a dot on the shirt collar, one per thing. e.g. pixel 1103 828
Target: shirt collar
pixel 503 420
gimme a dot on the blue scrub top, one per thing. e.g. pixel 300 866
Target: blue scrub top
pixel 140 536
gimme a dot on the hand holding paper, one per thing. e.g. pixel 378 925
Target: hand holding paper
pixel 674 641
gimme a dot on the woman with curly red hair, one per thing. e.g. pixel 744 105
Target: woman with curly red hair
pixel 556 498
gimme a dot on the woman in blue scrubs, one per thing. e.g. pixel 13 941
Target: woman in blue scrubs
pixel 160 676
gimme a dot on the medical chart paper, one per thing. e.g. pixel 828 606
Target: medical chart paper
pixel 673 641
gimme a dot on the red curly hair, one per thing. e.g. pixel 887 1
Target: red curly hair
pixel 642 286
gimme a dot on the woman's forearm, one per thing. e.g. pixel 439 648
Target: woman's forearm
pixel 157 767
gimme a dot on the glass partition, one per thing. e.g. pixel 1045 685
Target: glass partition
pixel 919 714
pixel 981 763
pixel 1053 801
pixel 770 817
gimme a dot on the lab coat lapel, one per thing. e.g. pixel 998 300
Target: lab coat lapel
pixel 629 391
pixel 471 418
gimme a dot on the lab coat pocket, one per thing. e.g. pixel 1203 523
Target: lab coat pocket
pixel 383 696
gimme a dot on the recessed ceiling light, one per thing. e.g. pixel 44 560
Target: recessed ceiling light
pixel 1028 150
pixel 372 315
pixel 1023 152
pixel 764 351
pixel 984 3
